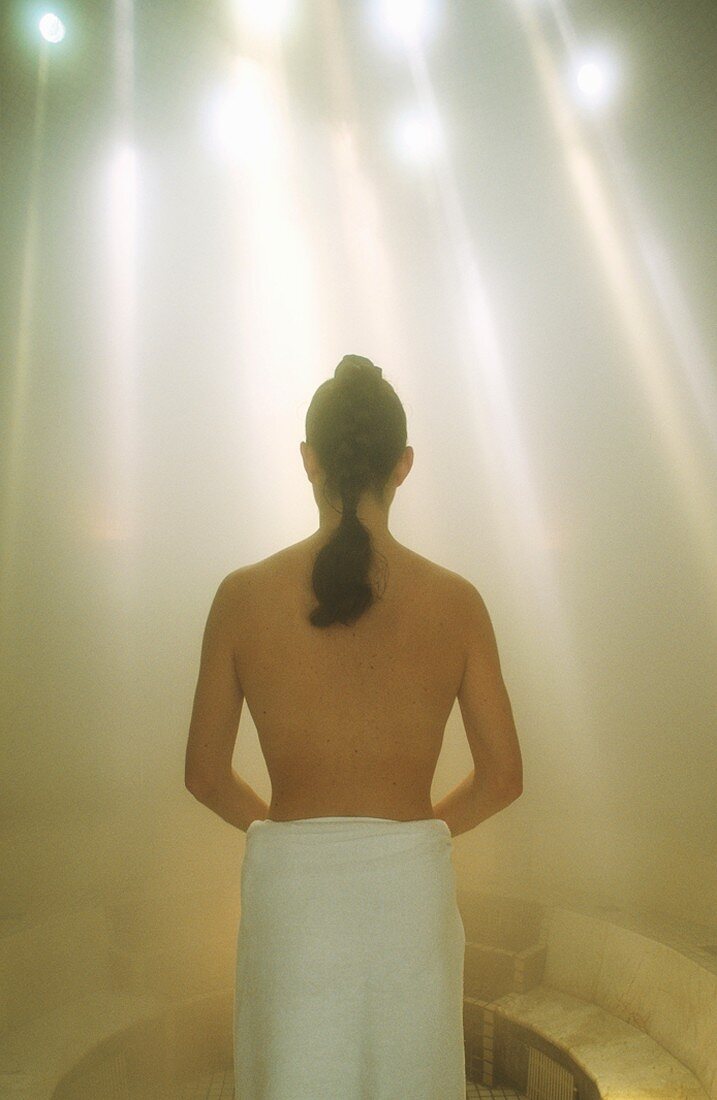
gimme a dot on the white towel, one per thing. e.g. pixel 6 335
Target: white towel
pixel 350 950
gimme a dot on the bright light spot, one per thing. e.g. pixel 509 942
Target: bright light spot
pixel 51 28
pixel 594 79
pixel 406 19
pixel 591 80
pixel 266 17
pixel 417 139
pixel 241 121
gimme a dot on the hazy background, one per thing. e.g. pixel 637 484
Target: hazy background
pixel 198 222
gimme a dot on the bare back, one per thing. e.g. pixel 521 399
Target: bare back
pixel 350 719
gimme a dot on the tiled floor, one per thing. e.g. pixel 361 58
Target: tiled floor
pixel 480 1092
pixel 220 1086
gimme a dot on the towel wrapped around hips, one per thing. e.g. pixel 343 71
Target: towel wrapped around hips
pixel 349 964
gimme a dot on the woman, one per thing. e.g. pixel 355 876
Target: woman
pixel 351 650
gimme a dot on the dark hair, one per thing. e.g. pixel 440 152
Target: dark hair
pixel 357 427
